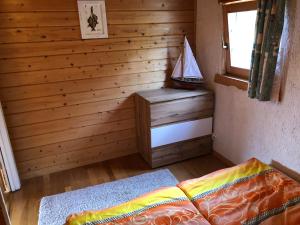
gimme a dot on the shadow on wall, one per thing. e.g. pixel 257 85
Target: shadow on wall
pixel 171 62
pixel 291 173
pixel 287 40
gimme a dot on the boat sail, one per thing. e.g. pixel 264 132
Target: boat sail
pixel 186 68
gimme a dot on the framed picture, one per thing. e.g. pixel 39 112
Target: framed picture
pixel 92 15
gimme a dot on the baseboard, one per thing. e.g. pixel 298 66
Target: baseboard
pixel 289 172
pixel 223 159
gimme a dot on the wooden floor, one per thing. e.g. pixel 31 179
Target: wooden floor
pixel 24 204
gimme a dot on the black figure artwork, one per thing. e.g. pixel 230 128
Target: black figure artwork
pixel 93 19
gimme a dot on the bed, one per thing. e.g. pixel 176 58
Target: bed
pixel 250 193
pixel 164 206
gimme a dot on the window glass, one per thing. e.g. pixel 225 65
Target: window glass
pixel 241 27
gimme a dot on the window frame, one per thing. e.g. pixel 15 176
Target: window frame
pixel 231 8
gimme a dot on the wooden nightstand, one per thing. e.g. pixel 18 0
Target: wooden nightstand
pixel 174 124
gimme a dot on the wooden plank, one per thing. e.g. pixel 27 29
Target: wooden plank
pixel 46 34
pixel 153 17
pixel 150 5
pixel 70 123
pixel 71 134
pixel 180 151
pixel 83 73
pixel 170 94
pixel 38 19
pixel 85 59
pixel 20 50
pixel 67 87
pixel 181 110
pixel 73 145
pixel 68 112
pixel 183 117
pixel 35 5
pixel 143 127
pixel 85 160
pixel 56 101
pixel 230 80
pixel 70 5
pixel 64 19
pixel 76 155
pixel 150 29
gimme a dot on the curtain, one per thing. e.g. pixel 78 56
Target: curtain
pixel 269 25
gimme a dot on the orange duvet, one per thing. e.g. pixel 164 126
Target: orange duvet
pixel 161 207
pixel 248 194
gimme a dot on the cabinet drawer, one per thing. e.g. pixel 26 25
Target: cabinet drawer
pixel 180 151
pixel 180 110
pixel 177 132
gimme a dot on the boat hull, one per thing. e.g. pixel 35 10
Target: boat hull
pixel 187 83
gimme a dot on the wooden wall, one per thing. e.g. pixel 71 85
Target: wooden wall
pixel 69 102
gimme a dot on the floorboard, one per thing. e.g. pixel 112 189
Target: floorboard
pixel 23 205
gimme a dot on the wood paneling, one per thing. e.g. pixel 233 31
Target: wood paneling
pixel 112 5
pixel 68 111
pixel 70 134
pixel 67 87
pixel 74 145
pixel 84 59
pixel 55 101
pixel 17 50
pixel 82 73
pixel 58 19
pixel 68 102
pixel 71 123
pixel 44 34
pixel 92 154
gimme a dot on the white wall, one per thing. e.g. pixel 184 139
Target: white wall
pixel 209 39
pixel 243 127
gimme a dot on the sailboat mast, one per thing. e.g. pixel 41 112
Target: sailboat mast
pixel 183 57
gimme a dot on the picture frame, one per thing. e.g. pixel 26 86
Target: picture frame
pixel 93 21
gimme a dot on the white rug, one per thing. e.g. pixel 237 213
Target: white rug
pixel 54 209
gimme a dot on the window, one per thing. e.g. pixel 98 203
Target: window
pixel 239 32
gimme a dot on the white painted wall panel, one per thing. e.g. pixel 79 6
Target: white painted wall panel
pixel 180 132
pixel 243 127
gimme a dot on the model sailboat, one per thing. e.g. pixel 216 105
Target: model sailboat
pixel 186 73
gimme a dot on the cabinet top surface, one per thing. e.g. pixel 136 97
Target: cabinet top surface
pixel 169 94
